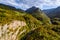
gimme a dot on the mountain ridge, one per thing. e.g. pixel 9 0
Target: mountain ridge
pixel 39 14
pixel 17 25
pixel 53 13
pixel 7 7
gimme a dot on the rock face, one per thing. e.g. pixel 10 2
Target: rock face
pixel 20 25
pixel 7 30
pixel 17 23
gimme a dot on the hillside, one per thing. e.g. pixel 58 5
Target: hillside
pixel 39 14
pixel 53 13
pixel 20 25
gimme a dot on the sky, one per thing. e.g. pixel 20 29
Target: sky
pixel 25 4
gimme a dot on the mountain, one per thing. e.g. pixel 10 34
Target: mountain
pixel 16 24
pixel 53 13
pixel 47 11
pixel 7 7
pixel 39 14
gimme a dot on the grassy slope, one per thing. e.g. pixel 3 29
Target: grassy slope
pixel 34 27
pixel 9 15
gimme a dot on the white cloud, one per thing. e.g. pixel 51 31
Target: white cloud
pixel 28 3
pixel 13 3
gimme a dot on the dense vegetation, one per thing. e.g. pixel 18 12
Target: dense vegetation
pixel 38 25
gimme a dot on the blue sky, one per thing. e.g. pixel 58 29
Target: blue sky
pixel 25 4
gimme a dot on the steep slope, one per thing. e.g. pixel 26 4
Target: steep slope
pixel 14 25
pixel 43 34
pixel 17 25
pixel 40 15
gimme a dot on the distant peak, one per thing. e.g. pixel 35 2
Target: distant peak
pixel 32 9
pixel 58 7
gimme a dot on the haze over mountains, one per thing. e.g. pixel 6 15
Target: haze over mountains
pixel 53 13
pixel 32 24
